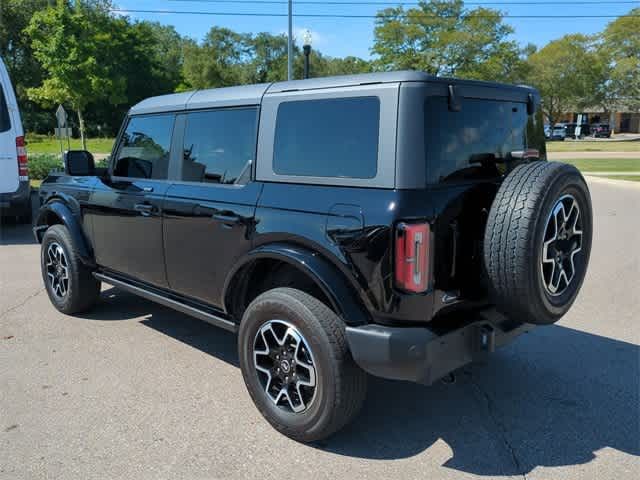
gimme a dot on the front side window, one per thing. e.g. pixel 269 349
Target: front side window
pixel 327 138
pixel 473 140
pixel 144 148
pixel 219 146
pixel 5 120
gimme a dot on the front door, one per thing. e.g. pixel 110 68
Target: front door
pixel 209 212
pixel 126 207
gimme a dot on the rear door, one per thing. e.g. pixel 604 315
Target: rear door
pixel 9 130
pixel 127 206
pixel 209 212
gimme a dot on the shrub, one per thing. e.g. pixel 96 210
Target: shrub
pixel 41 165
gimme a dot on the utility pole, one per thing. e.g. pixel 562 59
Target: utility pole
pixel 290 44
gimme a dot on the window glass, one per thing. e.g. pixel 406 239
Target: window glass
pixel 5 120
pixel 219 146
pixel 328 138
pixel 144 147
pixel 469 142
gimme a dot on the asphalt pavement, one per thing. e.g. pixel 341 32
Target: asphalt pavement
pixel 133 390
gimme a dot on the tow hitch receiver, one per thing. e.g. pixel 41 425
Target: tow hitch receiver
pixel 418 354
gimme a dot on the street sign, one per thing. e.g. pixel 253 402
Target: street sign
pixel 63 132
pixel 61 116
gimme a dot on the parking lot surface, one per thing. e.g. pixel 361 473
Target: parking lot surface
pixel 137 391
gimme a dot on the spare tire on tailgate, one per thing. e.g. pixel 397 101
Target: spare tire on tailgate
pixel 537 241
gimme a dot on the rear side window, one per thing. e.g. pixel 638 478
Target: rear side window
pixel 5 120
pixel 327 138
pixel 144 148
pixel 463 143
pixel 219 146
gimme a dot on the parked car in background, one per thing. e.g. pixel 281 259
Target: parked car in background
pixel 572 130
pixel 559 131
pixel 15 192
pixel 601 130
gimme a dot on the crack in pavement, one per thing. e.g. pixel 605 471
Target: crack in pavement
pixel 22 303
pixel 499 426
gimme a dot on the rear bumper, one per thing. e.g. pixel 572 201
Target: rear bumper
pixel 16 203
pixel 423 356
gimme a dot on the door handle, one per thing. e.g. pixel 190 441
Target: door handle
pixel 226 218
pixel 144 208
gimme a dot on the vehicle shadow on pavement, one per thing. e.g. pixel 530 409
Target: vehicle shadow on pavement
pixel 553 398
pixel 116 305
pixel 15 234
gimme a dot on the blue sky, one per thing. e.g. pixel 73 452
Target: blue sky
pixel 342 37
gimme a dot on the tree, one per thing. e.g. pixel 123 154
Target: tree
pixel 75 48
pixel 619 53
pixel 15 50
pixel 444 38
pixel 218 62
pixel 268 58
pixel 566 72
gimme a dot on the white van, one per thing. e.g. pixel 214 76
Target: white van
pixel 15 192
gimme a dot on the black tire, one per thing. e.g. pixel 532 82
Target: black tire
pixel 82 288
pixel 517 229
pixel 340 384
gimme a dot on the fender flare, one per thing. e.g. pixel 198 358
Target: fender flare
pixel 65 217
pixel 343 297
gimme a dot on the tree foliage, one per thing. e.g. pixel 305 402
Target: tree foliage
pixel 444 38
pixel 76 48
pixel 619 53
pixel 565 72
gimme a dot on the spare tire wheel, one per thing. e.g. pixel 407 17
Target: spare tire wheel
pixel 537 241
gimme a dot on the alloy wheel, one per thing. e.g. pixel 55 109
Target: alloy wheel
pixel 562 241
pixel 57 270
pixel 285 366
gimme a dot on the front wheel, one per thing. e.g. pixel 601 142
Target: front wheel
pixel 296 365
pixel 69 283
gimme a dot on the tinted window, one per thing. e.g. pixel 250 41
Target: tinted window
pixel 470 141
pixel 219 146
pixel 5 121
pixel 328 138
pixel 144 147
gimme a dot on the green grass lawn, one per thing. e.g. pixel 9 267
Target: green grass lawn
pixel 609 165
pixel 593 146
pixel 606 164
pixel 37 144
pixel 630 178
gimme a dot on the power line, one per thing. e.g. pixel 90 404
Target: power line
pixel 347 15
pixel 390 3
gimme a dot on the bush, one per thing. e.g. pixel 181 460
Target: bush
pixel 41 165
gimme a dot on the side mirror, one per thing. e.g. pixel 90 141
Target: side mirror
pixel 79 163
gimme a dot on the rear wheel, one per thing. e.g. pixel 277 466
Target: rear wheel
pixel 538 240
pixel 69 283
pixel 296 365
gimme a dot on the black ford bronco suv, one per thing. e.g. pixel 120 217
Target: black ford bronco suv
pixel 397 223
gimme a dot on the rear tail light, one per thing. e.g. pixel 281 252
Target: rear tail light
pixel 412 256
pixel 23 162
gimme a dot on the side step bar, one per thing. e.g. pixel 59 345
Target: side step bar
pixel 169 302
